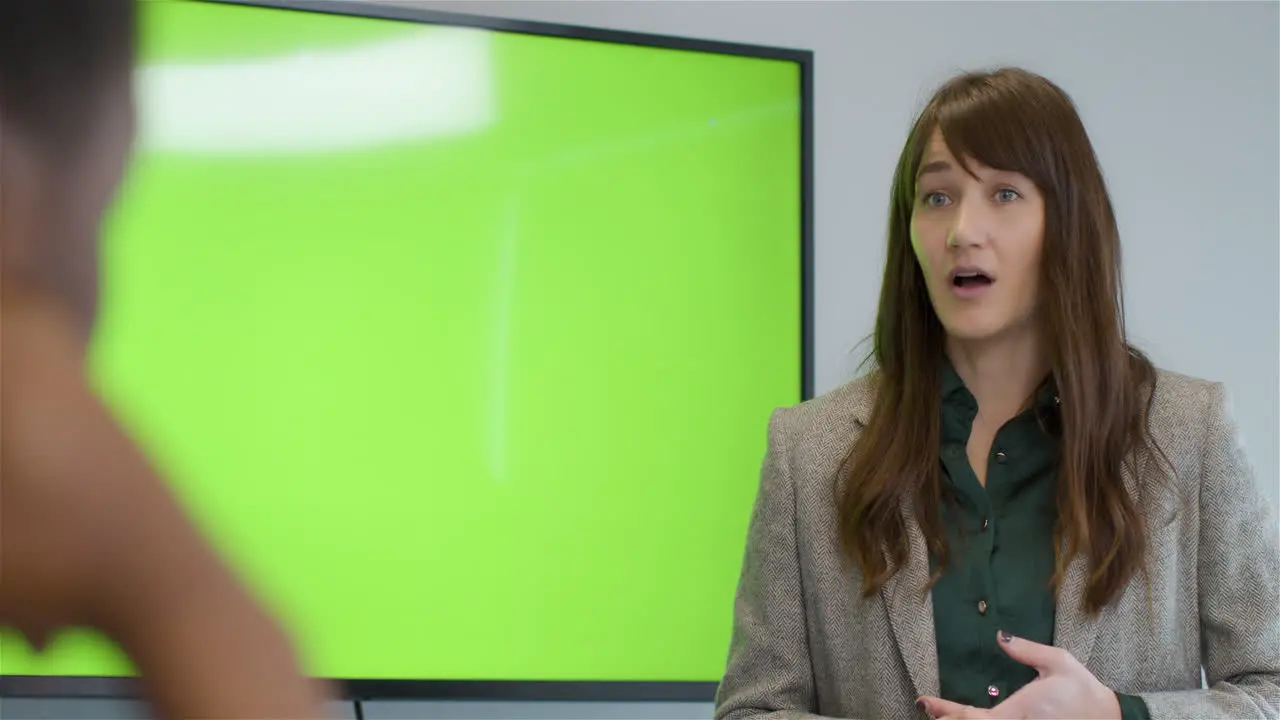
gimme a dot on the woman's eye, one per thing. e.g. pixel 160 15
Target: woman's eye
pixel 1005 195
pixel 936 199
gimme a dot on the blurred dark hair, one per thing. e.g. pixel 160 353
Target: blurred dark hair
pixel 57 58
pixel 1015 120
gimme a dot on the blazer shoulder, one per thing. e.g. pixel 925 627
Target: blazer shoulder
pixel 836 410
pixel 1183 401
pixel 817 435
pixel 1192 422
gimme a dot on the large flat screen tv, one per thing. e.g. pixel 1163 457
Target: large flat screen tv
pixel 459 336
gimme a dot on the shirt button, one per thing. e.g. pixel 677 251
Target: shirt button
pixel 993 691
pixel 1001 457
pixel 985 523
pixel 982 607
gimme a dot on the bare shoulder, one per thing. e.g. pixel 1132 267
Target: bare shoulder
pixel 94 537
pixel 47 404
pixel 79 498
pixel 46 550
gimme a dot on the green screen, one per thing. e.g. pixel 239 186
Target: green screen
pixel 461 345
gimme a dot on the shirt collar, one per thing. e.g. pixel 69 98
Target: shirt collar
pixel 1046 397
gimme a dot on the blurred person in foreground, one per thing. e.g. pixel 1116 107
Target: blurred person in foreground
pixel 1015 514
pixel 89 535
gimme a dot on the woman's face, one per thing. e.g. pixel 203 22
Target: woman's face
pixel 978 241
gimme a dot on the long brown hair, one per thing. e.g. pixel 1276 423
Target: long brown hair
pixel 1012 120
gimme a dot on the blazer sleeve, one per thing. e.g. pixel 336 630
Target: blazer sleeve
pixel 1239 584
pixel 769 674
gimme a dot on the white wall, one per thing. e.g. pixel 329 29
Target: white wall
pixel 1183 103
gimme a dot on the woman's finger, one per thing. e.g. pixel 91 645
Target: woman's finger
pixel 939 708
pixel 1044 658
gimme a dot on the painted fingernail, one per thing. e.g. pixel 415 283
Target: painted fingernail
pixel 1005 637
pixel 923 707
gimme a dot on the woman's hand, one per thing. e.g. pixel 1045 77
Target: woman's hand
pixel 1064 690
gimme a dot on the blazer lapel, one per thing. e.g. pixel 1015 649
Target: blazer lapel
pixel 1074 630
pixel 910 610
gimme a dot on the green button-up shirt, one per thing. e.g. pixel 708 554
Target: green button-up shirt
pixel 1001 549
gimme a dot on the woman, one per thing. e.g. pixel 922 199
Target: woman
pixel 91 537
pixel 1015 515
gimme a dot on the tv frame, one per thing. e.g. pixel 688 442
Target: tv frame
pixel 359 691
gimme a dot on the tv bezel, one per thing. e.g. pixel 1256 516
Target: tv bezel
pixel 360 690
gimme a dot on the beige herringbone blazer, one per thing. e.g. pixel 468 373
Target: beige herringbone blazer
pixel 805 643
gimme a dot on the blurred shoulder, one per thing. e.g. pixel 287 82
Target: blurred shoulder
pixel 49 513
pixel 43 384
